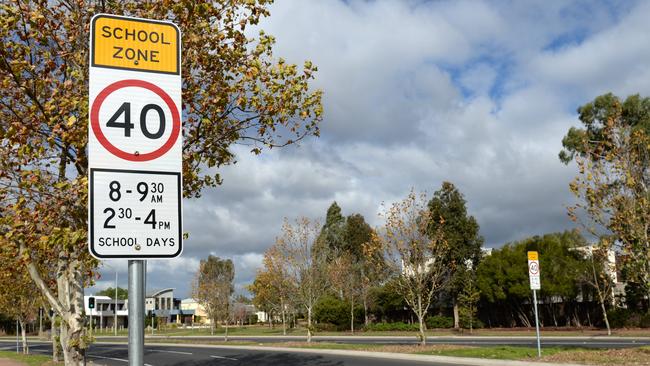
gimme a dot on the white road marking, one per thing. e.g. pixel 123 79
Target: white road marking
pixel 163 350
pixel 114 359
pixel 225 358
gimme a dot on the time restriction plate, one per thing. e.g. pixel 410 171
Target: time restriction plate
pixel 134 138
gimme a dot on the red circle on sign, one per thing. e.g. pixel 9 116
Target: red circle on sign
pixel 94 120
pixel 534 268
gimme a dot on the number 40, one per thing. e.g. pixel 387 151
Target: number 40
pixel 125 109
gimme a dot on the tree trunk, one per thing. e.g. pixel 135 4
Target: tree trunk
pixel 420 314
pixel 56 340
pixel 365 311
pixel 456 315
pixel 309 324
pixel 352 316
pixel 601 297
pixel 284 318
pixel 602 306
pixel 225 337
pixel 212 326
pixel 68 303
pixel 23 336
pixel 71 341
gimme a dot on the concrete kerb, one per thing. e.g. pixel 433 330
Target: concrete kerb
pixel 367 354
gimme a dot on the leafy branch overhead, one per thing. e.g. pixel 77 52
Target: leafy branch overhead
pixel 235 91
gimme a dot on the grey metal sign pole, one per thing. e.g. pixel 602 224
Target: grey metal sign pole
pixel 539 346
pixel 136 312
pixel 115 308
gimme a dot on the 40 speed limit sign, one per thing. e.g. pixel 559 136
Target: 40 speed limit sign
pixel 134 139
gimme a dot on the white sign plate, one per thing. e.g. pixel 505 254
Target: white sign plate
pixel 533 275
pixel 134 139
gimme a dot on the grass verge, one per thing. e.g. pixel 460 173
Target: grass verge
pixel 30 360
pixel 603 357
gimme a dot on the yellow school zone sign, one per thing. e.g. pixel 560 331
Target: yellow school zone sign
pixel 533 256
pixel 135 44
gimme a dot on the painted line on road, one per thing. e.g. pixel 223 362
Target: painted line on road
pixel 225 358
pixel 166 351
pixel 114 359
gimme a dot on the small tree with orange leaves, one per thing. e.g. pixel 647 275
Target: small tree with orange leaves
pixel 305 268
pixel 413 257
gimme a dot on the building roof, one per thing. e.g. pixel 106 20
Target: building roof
pixel 100 297
pixel 155 293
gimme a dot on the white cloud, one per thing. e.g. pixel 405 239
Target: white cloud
pixel 477 93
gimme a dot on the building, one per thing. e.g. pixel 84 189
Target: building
pixel 611 268
pixel 103 315
pixel 163 305
pixel 200 316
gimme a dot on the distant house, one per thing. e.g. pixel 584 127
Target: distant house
pixel 163 305
pixel 611 268
pixel 103 315
pixel 200 316
pixel 240 313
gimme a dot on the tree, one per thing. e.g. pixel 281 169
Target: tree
pixel 414 256
pixel 19 298
pixel 502 277
pixel 461 232
pixel 213 288
pixel 330 238
pixel 265 298
pixel 468 298
pixel 272 287
pixel 345 275
pixel 600 276
pixel 234 92
pixel 612 153
pixel 305 267
pixel 122 293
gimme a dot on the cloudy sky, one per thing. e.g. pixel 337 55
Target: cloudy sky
pixel 416 93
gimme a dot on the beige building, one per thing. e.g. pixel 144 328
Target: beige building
pixel 191 305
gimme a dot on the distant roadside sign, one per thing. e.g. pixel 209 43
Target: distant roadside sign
pixel 134 139
pixel 533 271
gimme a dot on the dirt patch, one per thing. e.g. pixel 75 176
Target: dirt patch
pixel 376 348
pixel 613 357
pixel 8 362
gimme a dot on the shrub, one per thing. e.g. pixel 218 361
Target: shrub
pixel 397 326
pixel 438 321
pixel 644 322
pixel 476 323
pixel 331 310
pixel 618 317
pixel 326 327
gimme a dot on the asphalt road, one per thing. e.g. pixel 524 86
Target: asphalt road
pixel 166 355
pixel 590 342
pixel 117 355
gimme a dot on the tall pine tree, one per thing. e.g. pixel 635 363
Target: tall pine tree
pixel 461 232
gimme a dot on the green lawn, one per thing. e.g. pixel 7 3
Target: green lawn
pixel 496 352
pixel 31 360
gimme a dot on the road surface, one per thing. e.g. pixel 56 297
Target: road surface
pixel 157 355
pixel 590 342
